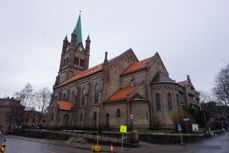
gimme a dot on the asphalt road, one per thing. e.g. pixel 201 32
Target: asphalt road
pixel 219 144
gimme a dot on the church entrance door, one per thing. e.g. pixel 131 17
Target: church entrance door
pixel 65 120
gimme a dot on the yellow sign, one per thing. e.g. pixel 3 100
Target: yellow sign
pixel 123 128
pixel 96 148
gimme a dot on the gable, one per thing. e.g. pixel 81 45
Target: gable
pixel 138 97
pixel 156 61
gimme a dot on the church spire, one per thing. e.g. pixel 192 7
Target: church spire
pixel 78 31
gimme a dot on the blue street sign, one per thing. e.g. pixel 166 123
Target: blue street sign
pixel 186 119
pixel 179 127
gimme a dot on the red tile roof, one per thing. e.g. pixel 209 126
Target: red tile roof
pixel 65 105
pixel 81 75
pixel 121 94
pixel 137 66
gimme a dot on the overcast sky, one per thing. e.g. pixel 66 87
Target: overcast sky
pixel 191 36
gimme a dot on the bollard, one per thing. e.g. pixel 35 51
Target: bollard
pixel 111 149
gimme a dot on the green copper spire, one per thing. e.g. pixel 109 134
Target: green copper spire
pixel 78 31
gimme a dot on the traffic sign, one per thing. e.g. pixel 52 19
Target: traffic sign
pixel 123 128
pixel 186 119
pixel 179 127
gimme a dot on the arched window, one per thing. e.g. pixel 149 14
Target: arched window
pixel 178 103
pixel 118 113
pixel 96 94
pixel 65 120
pixel 64 97
pixel 73 96
pixel 95 116
pixel 170 103
pixel 51 116
pixel 83 96
pixel 81 116
pixel 158 102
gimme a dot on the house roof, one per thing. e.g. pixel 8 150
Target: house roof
pixel 162 78
pixel 81 75
pixel 122 94
pixel 10 102
pixel 182 83
pixel 137 66
pixel 65 105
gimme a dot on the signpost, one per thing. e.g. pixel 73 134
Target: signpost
pixel 179 128
pixel 123 129
pixel 186 120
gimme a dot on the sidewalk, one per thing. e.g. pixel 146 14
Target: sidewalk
pixel 87 146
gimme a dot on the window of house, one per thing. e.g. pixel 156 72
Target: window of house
pixel 96 94
pixel 178 103
pixel 83 96
pixel 158 102
pixel 95 116
pixel 170 103
pixel 118 114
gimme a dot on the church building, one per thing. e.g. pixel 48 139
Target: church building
pixel 120 91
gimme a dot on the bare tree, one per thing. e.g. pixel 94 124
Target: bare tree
pixel 42 100
pixel 26 95
pixel 205 97
pixel 221 88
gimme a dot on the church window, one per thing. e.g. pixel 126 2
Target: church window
pixel 147 116
pixel 178 104
pixel 83 96
pixel 81 62
pixel 66 61
pixel 158 101
pixel 51 116
pixel 64 97
pixel 118 114
pixel 96 94
pixel 59 96
pixel 81 116
pixel 76 61
pixel 95 116
pixel 73 95
pixel 170 103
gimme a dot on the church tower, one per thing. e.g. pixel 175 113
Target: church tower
pixel 74 56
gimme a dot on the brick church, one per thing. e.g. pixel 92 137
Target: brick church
pixel 108 93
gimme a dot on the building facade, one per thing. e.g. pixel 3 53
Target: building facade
pixel 11 113
pixel 106 94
